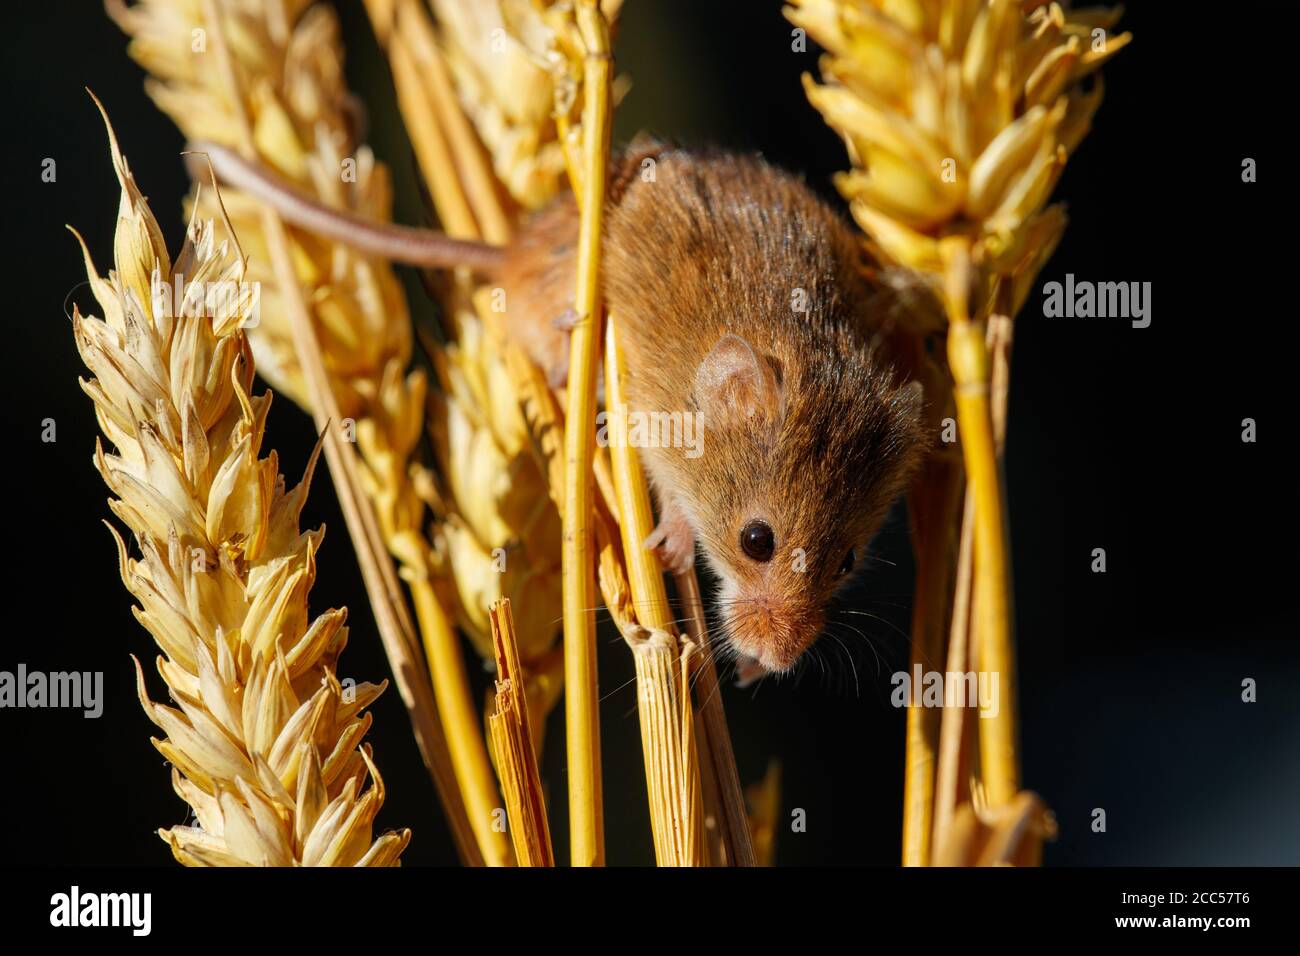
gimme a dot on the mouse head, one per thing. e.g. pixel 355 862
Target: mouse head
pixel 801 465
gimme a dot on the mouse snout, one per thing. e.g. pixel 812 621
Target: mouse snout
pixel 772 630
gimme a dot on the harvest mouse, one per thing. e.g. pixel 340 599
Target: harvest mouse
pixel 742 301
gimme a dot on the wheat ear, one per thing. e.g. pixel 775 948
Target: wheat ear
pixel 284 100
pixel 264 740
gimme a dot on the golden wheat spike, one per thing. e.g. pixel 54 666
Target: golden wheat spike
pixel 264 741
pixel 336 334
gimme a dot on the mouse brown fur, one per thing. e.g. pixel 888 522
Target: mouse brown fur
pixel 806 426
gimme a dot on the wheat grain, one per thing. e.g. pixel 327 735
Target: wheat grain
pixel 264 740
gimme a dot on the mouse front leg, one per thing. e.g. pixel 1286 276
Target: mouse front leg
pixel 673 539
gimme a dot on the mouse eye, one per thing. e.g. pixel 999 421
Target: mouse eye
pixel 850 559
pixel 758 541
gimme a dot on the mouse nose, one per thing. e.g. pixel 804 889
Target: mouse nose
pixel 773 631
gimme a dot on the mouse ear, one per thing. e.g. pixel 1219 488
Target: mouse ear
pixel 735 383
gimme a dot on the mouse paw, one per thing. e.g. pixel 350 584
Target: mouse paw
pixel 557 347
pixel 673 540
pixel 566 320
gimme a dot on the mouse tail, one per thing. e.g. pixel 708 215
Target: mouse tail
pixel 417 247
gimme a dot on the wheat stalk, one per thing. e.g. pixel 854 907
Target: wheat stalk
pixel 581 698
pixel 264 740
pixel 663 663
pixel 959 116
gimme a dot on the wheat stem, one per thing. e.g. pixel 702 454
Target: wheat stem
pixel 461 721
pixel 431 149
pixel 934 500
pixel 953 756
pixel 582 711
pixel 968 358
pixel 475 175
pixel 667 741
pixel 716 735
pixel 676 815
pixel 636 518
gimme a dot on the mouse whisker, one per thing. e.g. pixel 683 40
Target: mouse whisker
pixel 867 639
pixel 619 688
pixel 853 668
pixel 883 620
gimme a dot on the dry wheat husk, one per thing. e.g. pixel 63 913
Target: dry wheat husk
pixel 958 116
pixel 514 748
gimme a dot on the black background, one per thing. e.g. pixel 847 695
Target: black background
pixel 1127 439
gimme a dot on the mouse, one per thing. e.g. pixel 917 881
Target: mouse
pixel 744 301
